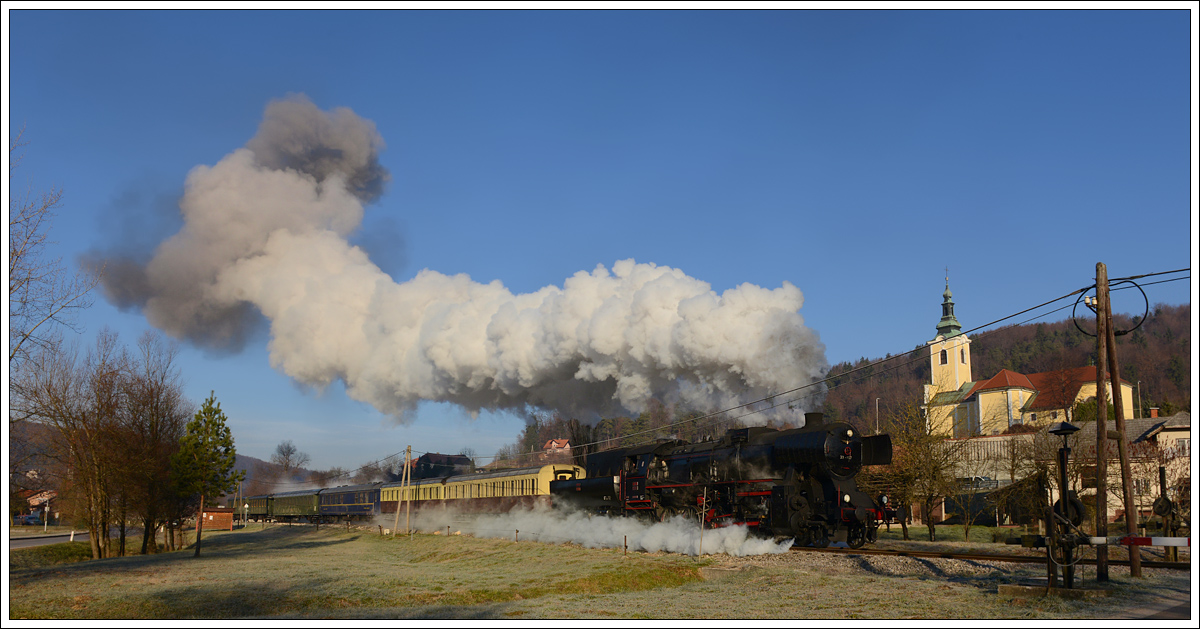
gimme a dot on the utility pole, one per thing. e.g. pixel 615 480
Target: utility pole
pixel 408 490
pixel 1114 373
pixel 1107 357
pixel 403 495
pixel 1101 424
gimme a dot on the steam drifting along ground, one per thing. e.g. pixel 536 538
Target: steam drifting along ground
pixel 678 534
pixel 265 234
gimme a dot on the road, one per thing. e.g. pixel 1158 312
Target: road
pixel 41 540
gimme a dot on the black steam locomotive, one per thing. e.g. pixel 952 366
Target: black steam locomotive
pixel 783 483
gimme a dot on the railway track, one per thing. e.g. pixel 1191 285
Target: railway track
pixel 1172 565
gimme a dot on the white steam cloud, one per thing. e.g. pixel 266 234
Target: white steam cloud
pixel 266 231
pixel 678 534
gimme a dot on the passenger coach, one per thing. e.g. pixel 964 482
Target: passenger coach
pixel 488 492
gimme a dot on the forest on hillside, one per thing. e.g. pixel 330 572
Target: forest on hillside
pixel 1155 356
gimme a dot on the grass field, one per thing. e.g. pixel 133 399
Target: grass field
pixel 301 572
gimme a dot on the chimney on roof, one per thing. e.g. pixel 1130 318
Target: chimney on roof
pixel 1153 412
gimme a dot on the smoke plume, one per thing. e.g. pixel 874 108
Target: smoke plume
pixel 266 235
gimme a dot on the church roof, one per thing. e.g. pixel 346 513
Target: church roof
pixel 1058 389
pixel 952 397
pixel 1004 380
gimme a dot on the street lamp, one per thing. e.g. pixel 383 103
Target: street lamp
pixel 1064 507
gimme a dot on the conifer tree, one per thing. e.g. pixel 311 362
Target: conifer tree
pixel 206 457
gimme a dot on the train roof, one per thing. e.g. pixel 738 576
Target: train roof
pixel 298 492
pixel 362 487
pixel 466 478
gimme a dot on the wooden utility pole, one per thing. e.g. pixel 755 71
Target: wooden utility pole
pixel 403 491
pixel 1131 511
pixel 408 490
pixel 1101 424
pixel 1108 341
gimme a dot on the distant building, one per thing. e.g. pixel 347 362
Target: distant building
pixel 435 465
pixel 217 519
pixel 556 449
pixel 1153 442
pixel 958 407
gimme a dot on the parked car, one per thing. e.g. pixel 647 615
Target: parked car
pixel 27 520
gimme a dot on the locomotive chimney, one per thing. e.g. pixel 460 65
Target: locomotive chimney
pixel 813 419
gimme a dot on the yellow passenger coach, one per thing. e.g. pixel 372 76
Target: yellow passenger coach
pixel 489 491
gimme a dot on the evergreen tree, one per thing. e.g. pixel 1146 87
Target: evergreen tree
pixel 206 457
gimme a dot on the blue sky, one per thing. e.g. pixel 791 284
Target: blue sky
pixel 853 154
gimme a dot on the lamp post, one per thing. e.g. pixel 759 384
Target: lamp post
pixel 877 416
pixel 1063 509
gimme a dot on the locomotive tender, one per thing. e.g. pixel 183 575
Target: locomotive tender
pixel 796 484
pixel 782 483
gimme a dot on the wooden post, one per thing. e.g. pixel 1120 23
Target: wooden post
pixel 1101 426
pixel 1171 553
pixel 407 492
pixel 1131 512
pixel 400 495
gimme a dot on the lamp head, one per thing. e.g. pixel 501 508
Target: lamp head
pixel 1064 429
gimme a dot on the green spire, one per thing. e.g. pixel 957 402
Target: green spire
pixel 949 325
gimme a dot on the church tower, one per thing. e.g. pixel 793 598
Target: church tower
pixel 949 351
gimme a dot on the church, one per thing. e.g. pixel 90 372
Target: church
pixel 958 406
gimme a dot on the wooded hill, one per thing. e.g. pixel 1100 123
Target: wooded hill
pixel 1157 354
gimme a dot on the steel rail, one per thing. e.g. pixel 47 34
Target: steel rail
pixel 1172 565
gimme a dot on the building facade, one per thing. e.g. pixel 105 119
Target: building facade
pixel 956 406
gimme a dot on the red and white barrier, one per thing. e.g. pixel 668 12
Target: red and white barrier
pixel 1130 540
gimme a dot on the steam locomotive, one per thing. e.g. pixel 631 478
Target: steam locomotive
pixel 795 484
pixel 781 483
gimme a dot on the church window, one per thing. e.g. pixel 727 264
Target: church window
pixel 944 359
pixel 962 356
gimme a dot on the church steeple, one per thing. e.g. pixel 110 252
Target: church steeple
pixel 949 325
pixel 949 351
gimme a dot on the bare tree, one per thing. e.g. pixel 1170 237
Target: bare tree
pixel 288 458
pixel 332 476
pixel 154 418
pixel 42 299
pixel 42 294
pixel 925 461
pixel 80 401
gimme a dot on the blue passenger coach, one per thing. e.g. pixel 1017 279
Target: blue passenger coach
pixel 350 502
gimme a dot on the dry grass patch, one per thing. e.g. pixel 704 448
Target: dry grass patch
pixel 301 571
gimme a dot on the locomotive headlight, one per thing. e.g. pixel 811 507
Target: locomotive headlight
pixel 846 498
pixel 849 434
